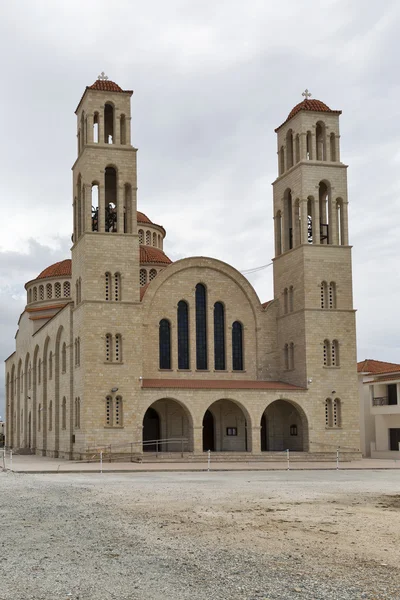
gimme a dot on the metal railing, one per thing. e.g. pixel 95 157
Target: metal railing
pixel 380 401
pixel 134 449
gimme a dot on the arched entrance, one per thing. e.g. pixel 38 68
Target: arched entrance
pixel 284 426
pixel 170 423
pixel 229 427
pixel 208 432
pixel 151 430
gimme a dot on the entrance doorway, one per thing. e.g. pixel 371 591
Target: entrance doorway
pixel 208 432
pixel 151 430
pixel 284 427
pixel 394 435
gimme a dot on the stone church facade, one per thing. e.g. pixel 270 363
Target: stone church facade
pixel 120 346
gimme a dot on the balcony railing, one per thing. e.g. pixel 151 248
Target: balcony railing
pixel 380 401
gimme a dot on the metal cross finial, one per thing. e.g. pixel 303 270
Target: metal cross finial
pixel 306 94
pixel 102 76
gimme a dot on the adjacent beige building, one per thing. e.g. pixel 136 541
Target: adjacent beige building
pixel 119 346
pixel 379 390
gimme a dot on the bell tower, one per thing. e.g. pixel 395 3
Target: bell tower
pixel 312 264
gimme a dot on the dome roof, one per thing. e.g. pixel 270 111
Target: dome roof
pixel 142 218
pixel 309 105
pixel 149 254
pixel 59 269
pixel 105 85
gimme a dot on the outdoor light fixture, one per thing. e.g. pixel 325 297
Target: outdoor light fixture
pixel 309 380
pixel 114 389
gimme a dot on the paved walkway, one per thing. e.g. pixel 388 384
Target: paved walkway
pixel 41 464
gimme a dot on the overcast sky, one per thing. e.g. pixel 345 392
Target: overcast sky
pixel 211 80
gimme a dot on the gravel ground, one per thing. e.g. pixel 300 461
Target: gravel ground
pixel 209 536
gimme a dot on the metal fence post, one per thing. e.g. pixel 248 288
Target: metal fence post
pixel 11 465
pixel 208 459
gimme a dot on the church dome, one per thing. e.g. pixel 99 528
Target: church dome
pixel 105 85
pixel 152 255
pixel 311 106
pixel 59 269
pixel 142 218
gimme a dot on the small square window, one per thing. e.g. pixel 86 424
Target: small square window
pixel 231 431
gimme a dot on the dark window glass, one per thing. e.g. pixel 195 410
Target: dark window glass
pixel 219 337
pixel 183 335
pixel 165 344
pixel 201 327
pixel 237 346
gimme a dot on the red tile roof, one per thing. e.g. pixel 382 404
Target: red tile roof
pixel 383 379
pixel 105 85
pixel 376 367
pixel 59 269
pixel 151 255
pixel 142 218
pixel 309 105
pixel 265 304
pixel 218 384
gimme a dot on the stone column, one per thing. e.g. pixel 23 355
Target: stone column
pixel 120 208
pixel 128 130
pixel 333 224
pixel 345 221
pixel 304 221
pixel 101 128
pixel 316 220
pixel 102 206
pixel 90 123
pixel 254 439
pixel 117 128
pixel 337 149
pixel 87 223
pixel 197 439
pixel 303 146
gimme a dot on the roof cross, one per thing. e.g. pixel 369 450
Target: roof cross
pixel 306 94
pixel 102 76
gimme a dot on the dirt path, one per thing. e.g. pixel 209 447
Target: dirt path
pixel 169 536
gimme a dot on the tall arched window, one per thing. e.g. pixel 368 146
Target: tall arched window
pixel 291 298
pixel 118 348
pixel 67 289
pixel 108 286
pixel 201 327
pixel 50 365
pixel 57 289
pixel 320 135
pixel 143 277
pixel 154 239
pixel 152 274
pixel 122 133
pixel 108 347
pixel 64 358
pixel 109 411
pixel 337 413
pixel 286 356
pixel 109 124
pixel 335 354
pixel 77 413
pixel 328 412
pixel 309 152
pixel 50 415
pixel 183 335
pixel 96 128
pixel 324 213
pixel 148 238
pixel 110 200
pixel 141 236
pixel 219 337
pixel 39 371
pixel 323 294
pixel 118 411
pixel 41 292
pixel 165 344
pixel 237 346
pixel 327 353
pixel 39 419
pixel 289 149
pixel 49 291
pixel 281 161
pixel 297 148
pixel 35 294
pixel 291 355
pixel 117 287
pixel 332 294
pixel 285 301
pixel 64 414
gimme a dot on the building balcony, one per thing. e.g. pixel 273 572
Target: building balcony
pixel 383 405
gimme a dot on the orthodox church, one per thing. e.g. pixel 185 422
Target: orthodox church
pixel 120 347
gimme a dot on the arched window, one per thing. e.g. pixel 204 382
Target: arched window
pixel 237 346
pixel 109 124
pixel 148 238
pixel 50 365
pixel 95 206
pixel 39 371
pixel 122 133
pixel 335 354
pixel 110 206
pixel 289 149
pixel 77 413
pixel 141 236
pixel 108 286
pixel 96 128
pixel 39 420
pixel 278 233
pixel 285 301
pixel 288 213
pixel 297 148
pixel 324 212
pixel 219 337
pixel 128 208
pixel 332 141
pixel 323 294
pixel 326 353
pixel 109 411
pixel 320 135
pixel 118 348
pixel 159 241
pixel 50 415
pixel 41 292
pixel 337 413
pixel 154 239
pixel 64 358
pixel 332 294
pixel 309 152
pixel 118 412
pixel 29 296
pixel 143 277
pixel 281 161
pixel 35 294
pixel 286 356
pixel 291 355
pixel 117 287
pixel 328 412
pixel 67 289
pixel 49 291
pixel 64 413
pixel 201 327
pixel 183 335
pixel 108 347
pixel 152 274
pixel 291 298
pixel 293 430
pixel 165 344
